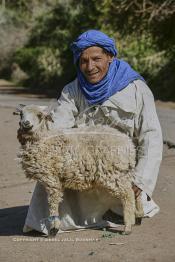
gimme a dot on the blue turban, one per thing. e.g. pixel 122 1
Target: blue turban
pixel 92 38
pixel 119 74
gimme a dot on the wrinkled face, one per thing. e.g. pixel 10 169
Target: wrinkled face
pixel 94 63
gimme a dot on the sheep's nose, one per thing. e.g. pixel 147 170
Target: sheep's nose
pixel 26 124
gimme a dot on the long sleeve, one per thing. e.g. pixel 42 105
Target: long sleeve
pixel 149 141
pixel 66 112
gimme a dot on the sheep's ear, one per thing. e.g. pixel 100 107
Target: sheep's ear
pixel 49 117
pixel 16 113
pixel 52 106
pixel 18 109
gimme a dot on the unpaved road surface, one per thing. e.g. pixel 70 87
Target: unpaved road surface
pixel 153 241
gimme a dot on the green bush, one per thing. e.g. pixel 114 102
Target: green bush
pixel 13 35
pixel 42 64
pixel 138 29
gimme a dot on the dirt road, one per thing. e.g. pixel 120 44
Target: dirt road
pixel 153 241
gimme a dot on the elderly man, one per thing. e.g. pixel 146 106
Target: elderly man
pixel 107 91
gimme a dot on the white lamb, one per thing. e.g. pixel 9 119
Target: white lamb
pixel 79 159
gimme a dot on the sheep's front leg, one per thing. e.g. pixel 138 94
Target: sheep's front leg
pixel 54 198
pixel 129 211
pixel 139 212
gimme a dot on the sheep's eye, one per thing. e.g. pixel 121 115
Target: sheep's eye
pixel 39 115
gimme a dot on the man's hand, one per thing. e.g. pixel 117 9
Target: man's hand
pixel 136 190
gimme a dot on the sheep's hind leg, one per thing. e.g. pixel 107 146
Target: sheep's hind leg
pixel 128 202
pixel 54 198
pixel 129 211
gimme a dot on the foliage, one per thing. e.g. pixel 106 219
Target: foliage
pixel 163 82
pixel 41 63
pixel 144 32
pixel 13 35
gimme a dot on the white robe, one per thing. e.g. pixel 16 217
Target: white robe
pixel 132 111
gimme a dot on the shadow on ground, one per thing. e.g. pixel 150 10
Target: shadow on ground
pixel 7 87
pixel 12 220
pixel 22 91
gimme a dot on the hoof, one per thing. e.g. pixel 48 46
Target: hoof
pixel 138 221
pixel 127 230
pixel 54 225
pixel 125 233
pixel 53 231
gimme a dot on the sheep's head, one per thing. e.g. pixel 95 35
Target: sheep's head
pixel 33 119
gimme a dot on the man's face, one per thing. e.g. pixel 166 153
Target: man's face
pixel 94 64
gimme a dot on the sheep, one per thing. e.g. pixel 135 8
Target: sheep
pixel 79 158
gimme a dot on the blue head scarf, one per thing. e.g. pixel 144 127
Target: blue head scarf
pixel 119 74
